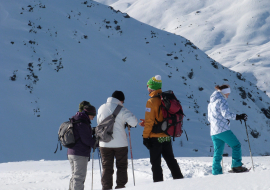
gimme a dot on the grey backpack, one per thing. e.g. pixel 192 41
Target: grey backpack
pixel 66 134
pixel 104 130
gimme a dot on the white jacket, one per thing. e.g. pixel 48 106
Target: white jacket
pixel 119 133
pixel 218 114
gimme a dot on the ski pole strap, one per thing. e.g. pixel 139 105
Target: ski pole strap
pixel 56 149
pixel 240 121
pixel 57 146
pixel 186 135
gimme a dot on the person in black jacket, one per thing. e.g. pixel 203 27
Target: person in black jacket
pixel 79 155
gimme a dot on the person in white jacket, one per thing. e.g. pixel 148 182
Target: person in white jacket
pixel 118 146
pixel 219 117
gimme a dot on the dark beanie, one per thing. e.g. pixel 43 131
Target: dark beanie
pixel 82 104
pixel 118 95
pixel 90 110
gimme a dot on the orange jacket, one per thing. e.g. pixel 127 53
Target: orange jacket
pixel 151 112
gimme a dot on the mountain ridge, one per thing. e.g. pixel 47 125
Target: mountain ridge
pixel 233 33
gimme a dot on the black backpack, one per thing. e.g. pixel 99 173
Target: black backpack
pixel 66 135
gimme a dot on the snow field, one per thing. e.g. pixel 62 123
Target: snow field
pixel 55 175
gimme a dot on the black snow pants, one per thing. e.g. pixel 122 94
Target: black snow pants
pixel 165 149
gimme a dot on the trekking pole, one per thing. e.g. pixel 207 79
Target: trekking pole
pixel 93 164
pixel 92 168
pixel 131 154
pixel 249 146
pixel 99 162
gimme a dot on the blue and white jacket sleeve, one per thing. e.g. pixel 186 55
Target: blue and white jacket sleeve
pixel 224 109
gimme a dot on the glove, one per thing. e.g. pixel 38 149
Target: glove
pixel 126 125
pixel 147 143
pixel 242 116
pixel 93 131
pixel 95 139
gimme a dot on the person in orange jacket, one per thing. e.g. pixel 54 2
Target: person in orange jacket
pixel 157 143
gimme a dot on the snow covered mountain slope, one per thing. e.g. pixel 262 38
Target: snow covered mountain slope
pixel 55 54
pixel 234 33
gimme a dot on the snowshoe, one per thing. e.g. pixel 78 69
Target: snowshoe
pixel 239 169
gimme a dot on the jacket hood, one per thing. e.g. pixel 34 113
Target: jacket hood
pixel 114 101
pixel 81 115
pixel 216 95
pixel 154 93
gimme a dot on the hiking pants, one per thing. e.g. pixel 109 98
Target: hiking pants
pixel 121 156
pixel 165 149
pixel 219 141
pixel 78 169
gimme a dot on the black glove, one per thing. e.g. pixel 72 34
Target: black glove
pixel 147 143
pixel 93 131
pixel 242 116
pixel 126 125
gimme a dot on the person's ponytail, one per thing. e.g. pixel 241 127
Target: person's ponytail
pixel 224 86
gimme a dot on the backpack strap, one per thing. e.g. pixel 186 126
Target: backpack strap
pixel 158 96
pixel 73 121
pixel 115 113
pixel 117 110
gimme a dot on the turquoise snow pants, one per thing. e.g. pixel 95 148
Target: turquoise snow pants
pixel 219 141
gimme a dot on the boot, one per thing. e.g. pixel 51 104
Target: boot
pixel 239 169
pixel 119 187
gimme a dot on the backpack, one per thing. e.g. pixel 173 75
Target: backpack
pixel 66 135
pixel 173 115
pixel 104 130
